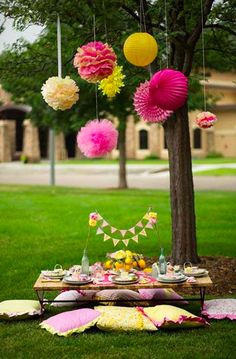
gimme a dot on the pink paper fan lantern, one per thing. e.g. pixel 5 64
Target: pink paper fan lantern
pixel 145 108
pixel 169 89
pixel 97 138
pixel 95 61
pixel 205 119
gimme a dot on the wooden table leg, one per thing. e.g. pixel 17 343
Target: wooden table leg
pixel 202 296
pixel 40 295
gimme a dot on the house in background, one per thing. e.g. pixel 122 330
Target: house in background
pixel 19 137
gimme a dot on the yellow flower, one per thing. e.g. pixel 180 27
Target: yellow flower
pixel 111 85
pixel 59 93
pixel 153 215
pixel 119 255
pixel 92 222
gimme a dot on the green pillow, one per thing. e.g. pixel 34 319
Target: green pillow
pixel 19 309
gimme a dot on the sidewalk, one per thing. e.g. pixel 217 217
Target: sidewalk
pixel 106 176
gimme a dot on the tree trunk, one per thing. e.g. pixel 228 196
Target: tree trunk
pixel 122 155
pixel 184 246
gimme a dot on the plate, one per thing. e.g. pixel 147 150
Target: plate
pixel 169 280
pixel 69 280
pixel 115 280
pixel 197 273
pixel 53 275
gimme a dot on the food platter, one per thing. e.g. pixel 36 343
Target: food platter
pixel 51 274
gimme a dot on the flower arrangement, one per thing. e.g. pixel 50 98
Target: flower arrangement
pixel 95 61
pixel 124 260
pixel 59 93
pixel 93 217
pixel 111 85
pixel 97 138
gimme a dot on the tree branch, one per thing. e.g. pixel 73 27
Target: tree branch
pixel 220 26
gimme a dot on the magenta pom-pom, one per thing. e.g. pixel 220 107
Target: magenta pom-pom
pixel 205 119
pixel 97 138
pixel 145 108
pixel 169 89
pixel 95 61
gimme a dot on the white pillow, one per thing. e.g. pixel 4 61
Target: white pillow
pixel 74 296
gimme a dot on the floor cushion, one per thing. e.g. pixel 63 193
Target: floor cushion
pixel 75 321
pixel 123 319
pixel 168 316
pixel 162 294
pixel 19 309
pixel 74 295
pixel 220 308
pixel 118 294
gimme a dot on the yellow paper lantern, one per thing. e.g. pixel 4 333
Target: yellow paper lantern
pixel 140 49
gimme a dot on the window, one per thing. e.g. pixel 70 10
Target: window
pixel 197 138
pixel 143 140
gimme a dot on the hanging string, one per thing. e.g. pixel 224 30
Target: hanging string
pixel 166 36
pixel 142 17
pixel 105 19
pixel 96 86
pixel 59 64
pixel 203 59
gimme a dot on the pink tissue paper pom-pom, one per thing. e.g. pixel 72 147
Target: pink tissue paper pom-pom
pixel 145 108
pixel 97 138
pixel 95 61
pixel 205 119
pixel 169 89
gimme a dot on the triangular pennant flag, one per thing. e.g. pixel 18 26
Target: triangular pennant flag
pixel 143 233
pixel 99 217
pixel 106 237
pixel 135 238
pixel 125 241
pixel 115 241
pixel 123 232
pixel 99 231
pixel 139 224
pixel 104 224
pixel 113 229
pixel 132 230
pixel 149 225
pixel 146 216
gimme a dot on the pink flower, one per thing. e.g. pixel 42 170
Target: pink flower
pixel 97 138
pixel 93 216
pixel 145 109
pixel 95 61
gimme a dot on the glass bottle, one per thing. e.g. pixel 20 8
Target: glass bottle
pixel 162 263
pixel 85 263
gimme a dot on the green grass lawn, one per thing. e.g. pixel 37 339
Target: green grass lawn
pixel 217 172
pixel 40 227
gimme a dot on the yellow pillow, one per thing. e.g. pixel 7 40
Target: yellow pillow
pixel 172 317
pixel 122 318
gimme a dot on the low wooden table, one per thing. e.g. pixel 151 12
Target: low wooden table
pixel 41 287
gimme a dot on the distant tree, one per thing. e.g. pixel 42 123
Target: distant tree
pixel 122 18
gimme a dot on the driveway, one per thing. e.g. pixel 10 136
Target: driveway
pixel 106 176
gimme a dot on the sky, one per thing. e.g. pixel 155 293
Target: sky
pixel 10 35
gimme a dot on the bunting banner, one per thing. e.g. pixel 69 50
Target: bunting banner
pixel 148 221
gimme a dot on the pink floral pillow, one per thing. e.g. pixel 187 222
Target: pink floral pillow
pixel 75 321
pixel 73 298
pixel 162 294
pixel 220 309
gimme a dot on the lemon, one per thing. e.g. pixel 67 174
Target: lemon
pixel 147 270
pixel 128 260
pixel 118 265
pixel 127 267
pixel 135 264
pixel 142 263
pixel 108 264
